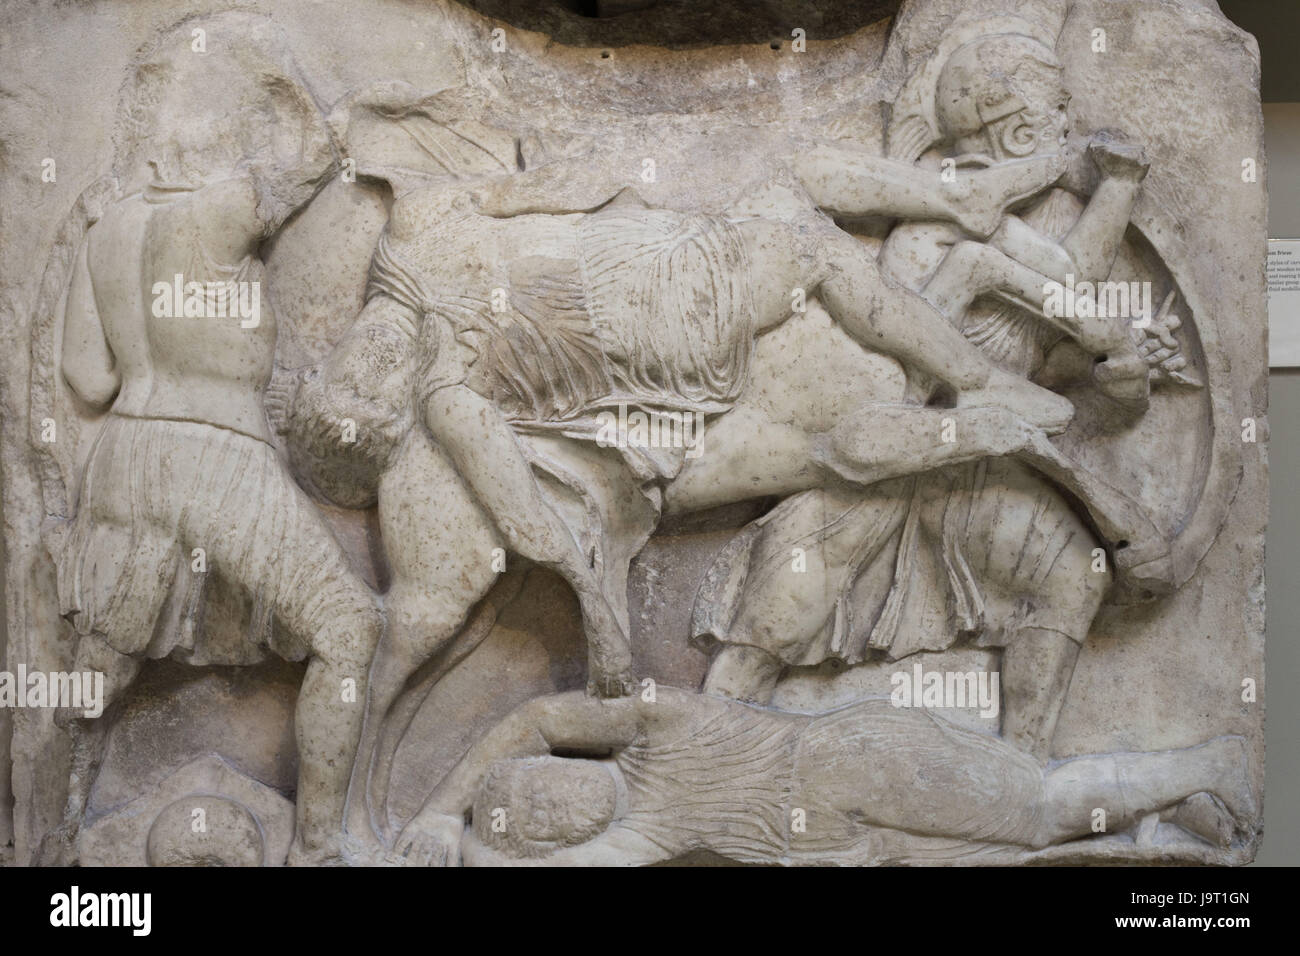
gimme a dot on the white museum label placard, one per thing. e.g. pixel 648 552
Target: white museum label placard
pixel 1283 302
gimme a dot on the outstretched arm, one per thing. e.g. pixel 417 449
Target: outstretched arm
pixel 859 184
pixel 571 721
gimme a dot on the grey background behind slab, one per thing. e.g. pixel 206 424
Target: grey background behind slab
pixel 1277 27
pixel 1281 845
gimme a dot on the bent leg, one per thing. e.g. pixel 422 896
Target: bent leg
pixel 1032 557
pixel 441 548
pixel 89 739
pixel 271 541
pixel 324 604
pixel 971 270
pixel 485 452
pixel 804 557
pixel 887 317
pixel 328 725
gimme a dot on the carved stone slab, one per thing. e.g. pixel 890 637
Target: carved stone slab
pixel 516 434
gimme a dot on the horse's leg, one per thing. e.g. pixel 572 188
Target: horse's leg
pixel 872 444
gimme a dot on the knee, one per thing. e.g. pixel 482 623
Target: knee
pixel 787 638
pixel 431 607
pixel 1080 578
pixel 349 641
pixel 742 672
pixel 974 260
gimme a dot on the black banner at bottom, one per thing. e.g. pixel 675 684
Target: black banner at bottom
pixel 341 907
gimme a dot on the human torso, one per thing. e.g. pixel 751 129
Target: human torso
pixel 1016 339
pixel 721 781
pixel 192 368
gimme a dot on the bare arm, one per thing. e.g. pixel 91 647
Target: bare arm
pixel 88 362
pixel 859 184
pixel 570 721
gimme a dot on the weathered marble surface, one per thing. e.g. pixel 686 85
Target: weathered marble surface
pixel 640 195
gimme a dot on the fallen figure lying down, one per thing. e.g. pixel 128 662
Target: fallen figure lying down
pixel 644 781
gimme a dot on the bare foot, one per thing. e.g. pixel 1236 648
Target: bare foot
pixel 430 839
pixel 1234 779
pixel 1204 815
pixel 59 847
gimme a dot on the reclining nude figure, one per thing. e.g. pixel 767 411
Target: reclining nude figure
pixel 989 548
pixel 644 781
pixel 508 335
pixel 183 461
